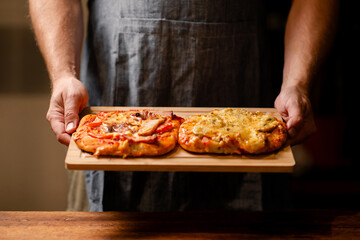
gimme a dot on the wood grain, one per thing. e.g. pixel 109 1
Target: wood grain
pixel 179 159
pixel 300 224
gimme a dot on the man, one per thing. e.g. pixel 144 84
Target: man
pixel 176 53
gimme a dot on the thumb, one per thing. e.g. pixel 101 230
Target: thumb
pixel 294 121
pixel 71 116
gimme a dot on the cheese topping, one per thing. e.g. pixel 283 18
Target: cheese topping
pixel 249 128
pixel 137 126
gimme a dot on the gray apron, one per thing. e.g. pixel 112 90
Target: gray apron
pixel 173 53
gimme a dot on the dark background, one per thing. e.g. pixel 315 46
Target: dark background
pixel 327 172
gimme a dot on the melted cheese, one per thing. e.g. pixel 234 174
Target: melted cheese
pixel 247 128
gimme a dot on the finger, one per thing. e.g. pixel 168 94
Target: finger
pixel 71 116
pixel 295 118
pixel 297 137
pixel 303 133
pixel 58 127
pixel 280 108
pixel 64 138
pixel 284 115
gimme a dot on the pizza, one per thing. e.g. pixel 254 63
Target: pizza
pixel 232 131
pixel 128 133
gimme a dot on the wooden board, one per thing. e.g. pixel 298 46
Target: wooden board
pixel 179 159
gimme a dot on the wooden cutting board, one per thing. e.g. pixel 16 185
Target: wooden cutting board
pixel 179 159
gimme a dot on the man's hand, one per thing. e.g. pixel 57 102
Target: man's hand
pixel 69 97
pixel 309 33
pixel 295 108
pixel 58 27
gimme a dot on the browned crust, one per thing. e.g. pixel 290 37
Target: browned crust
pixel 165 142
pixel 193 143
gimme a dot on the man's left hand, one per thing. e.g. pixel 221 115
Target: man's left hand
pixel 294 106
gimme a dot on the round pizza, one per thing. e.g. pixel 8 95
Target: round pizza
pixel 128 133
pixel 229 131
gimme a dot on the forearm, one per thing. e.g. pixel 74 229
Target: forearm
pixel 58 27
pixel 310 31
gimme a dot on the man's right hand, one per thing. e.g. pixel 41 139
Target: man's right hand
pixel 69 97
pixel 59 31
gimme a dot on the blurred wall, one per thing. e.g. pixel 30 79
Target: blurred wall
pixel 32 173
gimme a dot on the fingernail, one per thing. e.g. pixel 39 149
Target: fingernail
pixel 69 127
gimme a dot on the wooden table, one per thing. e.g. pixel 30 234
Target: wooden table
pixel 181 225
